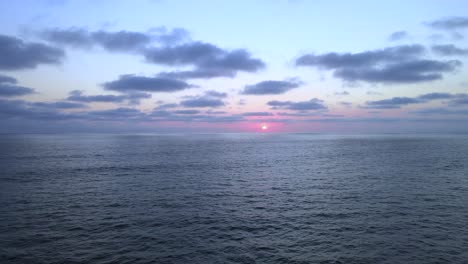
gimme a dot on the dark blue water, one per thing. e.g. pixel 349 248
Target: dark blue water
pixel 233 199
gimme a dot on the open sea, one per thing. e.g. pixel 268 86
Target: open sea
pixel 234 198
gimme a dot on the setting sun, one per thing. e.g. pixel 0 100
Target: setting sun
pixel 264 127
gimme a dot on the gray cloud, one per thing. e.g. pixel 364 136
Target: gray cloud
pixel 312 104
pixel 346 104
pixel 186 112
pixel 133 83
pixel 257 114
pixel 202 102
pixel 271 87
pixel 393 103
pixel 449 50
pixel 406 72
pixel 122 41
pixel 342 60
pixel 58 105
pixel 171 37
pixel 344 93
pixel 216 94
pixel 398 35
pixel 449 23
pixel 133 98
pixel 399 64
pixel 16 54
pixel 8 87
pixel 209 60
pixel 459 100
pixel 7 79
pixel 397 102
pixel 441 111
pixel 198 74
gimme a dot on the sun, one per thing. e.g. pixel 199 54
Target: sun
pixel 264 127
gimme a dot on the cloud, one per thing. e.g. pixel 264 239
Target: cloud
pixel 346 104
pixel 449 50
pixel 15 54
pixel 132 83
pixel 209 60
pixel 335 60
pixel 441 111
pixel 8 87
pixel 449 23
pixel 459 100
pixel 133 98
pixel 398 35
pixel 58 105
pixel 202 102
pixel 399 64
pixel 344 93
pixel 397 102
pixel 171 37
pixel 117 114
pixel 406 72
pixel 7 79
pixel 186 112
pixel 121 41
pixel 271 87
pixel 312 104
pixel 216 94
pixel 199 74
pixel 257 114
pixel 393 103
pixel 164 47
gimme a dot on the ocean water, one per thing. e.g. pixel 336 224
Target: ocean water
pixel 234 198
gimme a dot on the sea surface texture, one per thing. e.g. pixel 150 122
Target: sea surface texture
pixel 233 198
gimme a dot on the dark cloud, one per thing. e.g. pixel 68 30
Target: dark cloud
pixel 400 64
pixel 312 104
pixel 186 112
pixel 133 98
pixel 271 87
pixel 257 114
pixel 441 111
pixel 133 83
pixel 363 59
pixel 435 96
pixel 122 41
pixel 15 54
pixel 449 50
pixel 7 79
pixel 216 94
pixel 459 100
pixel 202 102
pixel 8 87
pixel 398 35
pixel 393 103
pixel 198 74
pixel 406 72
pixel 163 105
pixel 58 105
pixel 397 102
pixel 209 60
pixel 121 113
pixel 449 23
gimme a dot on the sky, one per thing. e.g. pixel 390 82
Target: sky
pixel 180 66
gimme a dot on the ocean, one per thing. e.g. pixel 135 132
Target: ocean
pixel 234 198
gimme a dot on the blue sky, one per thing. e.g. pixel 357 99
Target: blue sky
pixel 294 66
